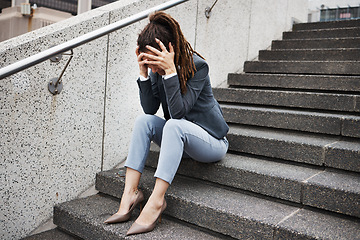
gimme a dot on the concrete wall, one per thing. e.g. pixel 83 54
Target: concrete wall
pixel 52 146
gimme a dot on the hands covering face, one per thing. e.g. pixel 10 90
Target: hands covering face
pixel 161 62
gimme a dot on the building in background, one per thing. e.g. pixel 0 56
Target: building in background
pixel 332 10
pixel 21 16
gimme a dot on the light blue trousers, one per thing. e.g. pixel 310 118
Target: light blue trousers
pixel 175 138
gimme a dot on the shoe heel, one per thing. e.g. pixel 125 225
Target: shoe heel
pixel 160 219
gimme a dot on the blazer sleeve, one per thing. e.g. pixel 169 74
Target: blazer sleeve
pixel 150 101
pixel 180 104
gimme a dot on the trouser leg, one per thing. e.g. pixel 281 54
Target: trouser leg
pixel 180 135
pixel 147 128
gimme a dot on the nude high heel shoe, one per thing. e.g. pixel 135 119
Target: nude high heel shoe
pixel 117 218
pixel 137 228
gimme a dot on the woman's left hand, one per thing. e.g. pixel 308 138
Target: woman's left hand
pixel 163 59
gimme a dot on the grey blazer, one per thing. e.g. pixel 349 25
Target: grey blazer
pixel 197 105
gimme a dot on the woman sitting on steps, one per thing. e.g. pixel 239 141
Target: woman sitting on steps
pixel 193 125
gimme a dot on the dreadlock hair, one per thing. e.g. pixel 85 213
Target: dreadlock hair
pixel 165 28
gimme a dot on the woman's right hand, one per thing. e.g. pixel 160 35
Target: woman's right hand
pixel 142 63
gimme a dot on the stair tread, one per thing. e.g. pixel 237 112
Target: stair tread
pixel 296 81
pixel 84 217
pixel 307 148
pixel 288 98
pixel 299 120
pixel 316 43
pixel 290 111
pixel 343 54
pixel 313 50
pixel 237 214
pixel 328 24
pixel 51 235
pixel 304 67
pixel 297 183
pixel 327 29
pixel 323 33
pixel 281 135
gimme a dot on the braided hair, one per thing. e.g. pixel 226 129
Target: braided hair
pixel 165 28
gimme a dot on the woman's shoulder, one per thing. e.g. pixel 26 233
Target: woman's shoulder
pixel 201 65
pixel 199 61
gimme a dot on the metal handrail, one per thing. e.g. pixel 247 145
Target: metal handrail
pixel 47 54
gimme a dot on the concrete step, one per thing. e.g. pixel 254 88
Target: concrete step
pixel 331 190
pixel 293 99
pixel 291 81
pixel 306 121
pixel 326 25
pixel 316 43
pixel 323 33
pixel 334 152
pixel 343 54
pixel 84 218
pixel 51 235
pixel 236 214
pixel 304 67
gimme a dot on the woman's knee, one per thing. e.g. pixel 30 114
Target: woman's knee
pixel 173 125
pixel 144 119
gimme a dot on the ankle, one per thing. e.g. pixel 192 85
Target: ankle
pixel 156 201
pixel 131 191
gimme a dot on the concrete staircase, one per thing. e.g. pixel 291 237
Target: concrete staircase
pixel 293 166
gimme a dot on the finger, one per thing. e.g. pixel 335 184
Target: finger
pixel 153 57
pixel 140 57
pixel 171 48
pixel 155 63
pixel 162 46
pixel 154 50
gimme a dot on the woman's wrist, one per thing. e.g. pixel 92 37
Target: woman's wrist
pixel 145 75
pixel 170 71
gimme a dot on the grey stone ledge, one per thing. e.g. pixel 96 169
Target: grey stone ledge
pixel 326 25
pixel 304 67
pixel 344 155
pixel 316 43
pixel 291 81
pixel 51 235
pixel 261 176
pixel 341 54
pixel 323 33
pixel 237 215
pixel 334 191
pixel 286 98
pixel 299 147
pixel 307 224
pixel 285 119
pixel 242 216
pixel 85 217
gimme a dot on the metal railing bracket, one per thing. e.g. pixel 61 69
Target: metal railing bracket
pixel 55 85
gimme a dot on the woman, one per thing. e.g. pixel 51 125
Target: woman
pixel 193 126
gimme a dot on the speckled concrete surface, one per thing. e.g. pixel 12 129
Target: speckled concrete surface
pixel 52 235
pixel 53 145
pixel 85 217
pixel 334 191
pixel 238 215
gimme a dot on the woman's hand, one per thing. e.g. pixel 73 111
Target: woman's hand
pixel 163 59
pixel 142 63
